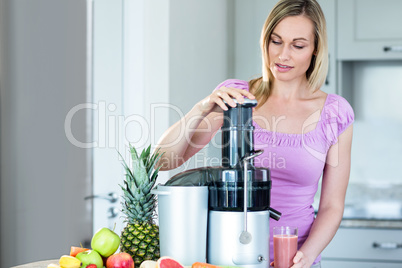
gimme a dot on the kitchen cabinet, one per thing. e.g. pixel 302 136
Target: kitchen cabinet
pixel 369 29
pixel 364 247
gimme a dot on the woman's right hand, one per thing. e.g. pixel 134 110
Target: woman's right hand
pixel 215 101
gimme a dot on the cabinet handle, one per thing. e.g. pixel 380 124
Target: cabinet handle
pixel 111 197
pixel 393 49
pixel 387 245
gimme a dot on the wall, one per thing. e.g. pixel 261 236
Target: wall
pixel 377 144
pixel 43 177
pixel 248 20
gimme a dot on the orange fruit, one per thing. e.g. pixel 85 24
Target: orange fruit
pixel 75 250
pixel 168 262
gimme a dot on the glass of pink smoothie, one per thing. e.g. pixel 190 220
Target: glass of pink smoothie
pixel 285 246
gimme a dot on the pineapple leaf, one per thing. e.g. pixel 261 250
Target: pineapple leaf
pixel 139 171
pixel 138 203
pixel 126 195
pixel 133 151
pixel 127 189
pixel 138 167
pixel 129 174
pixel 153 173
pixel 145 155
pixel 149 187
pixel 130 216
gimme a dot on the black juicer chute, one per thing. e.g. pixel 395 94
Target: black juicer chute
pixel 226 183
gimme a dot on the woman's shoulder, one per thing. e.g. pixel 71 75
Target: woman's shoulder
pixel 338 109
pixel 338 104
pixel 236 83
pixel 331 97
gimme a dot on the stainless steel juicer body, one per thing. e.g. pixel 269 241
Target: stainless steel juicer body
pixel 238 198
pixel 224 245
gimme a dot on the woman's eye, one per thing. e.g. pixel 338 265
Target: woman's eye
pixel 275 42
pixel 299 47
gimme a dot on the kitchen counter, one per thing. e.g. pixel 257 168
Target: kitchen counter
pixel 364 223
pixel 371 206
pixel 39 264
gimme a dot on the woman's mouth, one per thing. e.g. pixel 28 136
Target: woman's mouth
pixel 283 68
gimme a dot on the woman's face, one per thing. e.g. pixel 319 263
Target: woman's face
pixel 291 47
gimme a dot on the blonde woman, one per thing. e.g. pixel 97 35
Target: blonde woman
pixel 305 132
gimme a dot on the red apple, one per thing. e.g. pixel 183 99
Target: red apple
pixel 120 260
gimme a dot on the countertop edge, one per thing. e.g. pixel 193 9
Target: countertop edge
pixel 364 223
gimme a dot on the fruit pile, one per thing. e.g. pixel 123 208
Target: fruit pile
pixel 104 245
pixel 168 262
pixel 86 258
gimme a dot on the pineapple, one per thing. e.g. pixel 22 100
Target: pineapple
pixel 140 237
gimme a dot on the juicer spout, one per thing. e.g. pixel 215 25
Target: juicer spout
pixel 274 214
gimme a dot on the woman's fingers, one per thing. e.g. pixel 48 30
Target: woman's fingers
pixel 298 260
pixel 224 97
pixel 223 105
pixel 228 94
pixel 299 255
pixel 237 93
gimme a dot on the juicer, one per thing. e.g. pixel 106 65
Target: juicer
pixel 234 229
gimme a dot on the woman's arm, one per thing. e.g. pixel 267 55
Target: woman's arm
pixel 190 134
pixel 186 137
pixel 334 183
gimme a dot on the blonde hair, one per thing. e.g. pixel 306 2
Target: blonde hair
pixel 318 69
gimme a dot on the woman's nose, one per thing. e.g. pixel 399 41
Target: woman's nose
pixel 284 54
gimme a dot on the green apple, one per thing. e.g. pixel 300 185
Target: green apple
pixel 90 257
pixel 105 242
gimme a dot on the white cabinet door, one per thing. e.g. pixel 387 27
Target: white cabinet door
pixel 369 29
pixel 351 264
pixel 107 107
pixel 353 244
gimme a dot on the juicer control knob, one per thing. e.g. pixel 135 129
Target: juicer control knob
pixel 261 258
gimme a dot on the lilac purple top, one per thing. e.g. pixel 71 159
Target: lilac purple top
pixel 297 162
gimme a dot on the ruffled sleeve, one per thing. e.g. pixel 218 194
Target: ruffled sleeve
pixel 236 83
pixel 338 116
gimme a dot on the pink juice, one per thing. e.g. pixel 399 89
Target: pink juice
pixel 285 248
